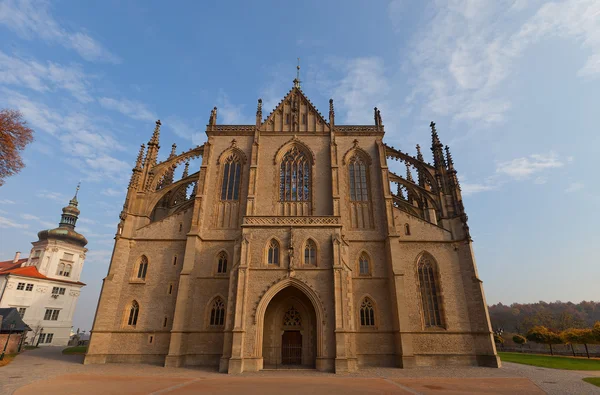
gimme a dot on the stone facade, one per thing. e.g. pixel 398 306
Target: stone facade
pixel 293 244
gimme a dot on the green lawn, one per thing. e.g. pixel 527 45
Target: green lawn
pixel 547 361
pixel 75 350
pixel 593 380
pixel 30 347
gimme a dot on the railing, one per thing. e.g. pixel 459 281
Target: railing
pixel 291 220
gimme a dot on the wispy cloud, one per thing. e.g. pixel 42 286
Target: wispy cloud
pixel 56 196
pixel 574 187
pixel 468 189
pixel 44 77
pixel 468 49
pixel 7 223
pixel 29 217
pixel 523 168
pixel 7 201
pixel 32 19
pixel 98 257
pixel 132 109
pixel 229 113
pixel 86 221
pixel 112 192
pixel 38 220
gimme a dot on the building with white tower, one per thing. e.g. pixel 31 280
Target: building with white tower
pixel 44 288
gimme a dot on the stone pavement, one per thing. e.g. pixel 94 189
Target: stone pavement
pixel 47 371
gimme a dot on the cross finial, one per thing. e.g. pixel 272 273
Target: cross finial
pixel 77 189
pixel 297 79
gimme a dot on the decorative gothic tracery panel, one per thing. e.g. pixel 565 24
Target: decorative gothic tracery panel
pixel 430 292
pixel 292 317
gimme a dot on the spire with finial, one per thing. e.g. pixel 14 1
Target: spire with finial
pixel 259 113
pixel 153 147
pixel 400 192
pixel 419 154
pixel 409 176
pixel 437 148
pixel 138 162
pixel 449 159
pixel 186 170
pixel 297 79
pixel 375 116
pixel 68 219
pixel 212 121
pixel 331 112
pixel 156 135
pixel 173 149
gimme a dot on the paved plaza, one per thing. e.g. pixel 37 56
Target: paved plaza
pixel 47 371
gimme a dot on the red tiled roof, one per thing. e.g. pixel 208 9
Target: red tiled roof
pixel 32 272
pixel 6 265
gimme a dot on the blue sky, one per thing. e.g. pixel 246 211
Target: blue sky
pixel 512 86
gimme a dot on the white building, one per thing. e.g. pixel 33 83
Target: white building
pixel 45 287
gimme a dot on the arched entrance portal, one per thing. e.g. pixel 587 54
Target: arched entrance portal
pixel 289 331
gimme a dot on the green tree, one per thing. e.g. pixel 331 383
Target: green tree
pixel 596 332
pixel 579 336
pixel 520 340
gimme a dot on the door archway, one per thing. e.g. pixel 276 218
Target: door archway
pixel 290 326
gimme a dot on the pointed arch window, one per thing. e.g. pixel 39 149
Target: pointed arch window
pixel 358 179
pixel 232 169
pixel 217 312
pixel 363 265
pixel 134 310
pixel 142 268
pixel 61 269
pixel 294 177
pixel 222 263
pixel 430 292
pixel 310 253
pixel 367 313
pixel 273 253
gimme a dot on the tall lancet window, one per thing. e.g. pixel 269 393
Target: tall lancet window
pixel 134 310
pixel 217 312
pixel 358 179
pixel 230 189
pixel 430 292
pixel 310 253
pixel 294 177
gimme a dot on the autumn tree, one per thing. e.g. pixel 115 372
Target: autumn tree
pixel 520 340
pixel 579 336
pixel 499 340
pixel 542 335
pixel 14 137
pixel 596 332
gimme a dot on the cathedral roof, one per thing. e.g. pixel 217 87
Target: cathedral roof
pixel 32 272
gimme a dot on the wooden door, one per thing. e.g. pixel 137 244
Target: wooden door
pixel 291 348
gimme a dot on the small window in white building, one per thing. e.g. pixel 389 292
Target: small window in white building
pixel 29 287
pixel 42 338
pixel 49 337
pixel 51 315
pixel 68 257
pixel 22 311
pixel 58 291
pixel 37 253
pixel 20 286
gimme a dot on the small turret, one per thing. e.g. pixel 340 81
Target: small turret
pixel 66 227
pixel 259 113
pixel 153 146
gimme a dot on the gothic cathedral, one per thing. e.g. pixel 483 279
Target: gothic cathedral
pixel 293 244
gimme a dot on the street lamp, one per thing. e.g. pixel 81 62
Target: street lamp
pixel 10 328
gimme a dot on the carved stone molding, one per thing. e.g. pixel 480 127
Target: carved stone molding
pixel 291 221
pixel 73 293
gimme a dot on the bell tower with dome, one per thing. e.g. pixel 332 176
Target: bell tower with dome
pixel 44 287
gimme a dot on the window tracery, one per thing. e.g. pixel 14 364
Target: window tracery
pixel 273 253
pixel 292 317
pixel 133 313
pixel 310 253
pixel 222 262
pixel 230 186
pixel 358 179
pixel 367 313
pixel 363 265
pixel 142 268
pixel 217 312
pixel 430 295
pixel 294 177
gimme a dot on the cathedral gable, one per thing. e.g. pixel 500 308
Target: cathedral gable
pixel 295 113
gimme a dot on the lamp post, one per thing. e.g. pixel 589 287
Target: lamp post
pixel 10 328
